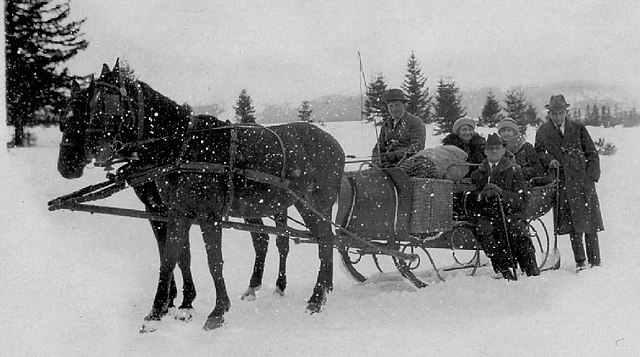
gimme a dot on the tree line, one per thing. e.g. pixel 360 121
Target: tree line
pixel 40 37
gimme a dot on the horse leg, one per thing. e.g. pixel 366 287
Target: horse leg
pixel 148 194
pixel 185 311
pixel 321 229
pixel 212 235
pixel 260 246
pixel 282 242
pixel 177 234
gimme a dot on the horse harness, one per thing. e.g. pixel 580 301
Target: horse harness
pixel 115 105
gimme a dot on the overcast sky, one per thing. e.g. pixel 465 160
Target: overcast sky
pixel 207 51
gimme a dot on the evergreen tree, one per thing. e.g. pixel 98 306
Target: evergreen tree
pixel 244 108
pixel 515 105
pixel 374 106
pixel 448 107
pixel 38 39
pixel 531 117
pixel 631 118
pixel 491 112
pixel 593 118
pixel 419 102
pixel 304 113
pixel 605 117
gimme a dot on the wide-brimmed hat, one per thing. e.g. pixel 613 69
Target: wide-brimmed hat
pixel 463 121
pixel 394 95
pixel 557 102
pixel 508 123
pixel 494 140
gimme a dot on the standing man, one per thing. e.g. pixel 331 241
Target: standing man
pixel 401 136
pixel 567 146
pixel 499 212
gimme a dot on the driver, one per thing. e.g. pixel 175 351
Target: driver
pixel 401 136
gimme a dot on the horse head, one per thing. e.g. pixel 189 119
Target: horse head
pixel 72 157
pixel 128 119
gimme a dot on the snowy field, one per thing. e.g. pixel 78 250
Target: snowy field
pixel 75 284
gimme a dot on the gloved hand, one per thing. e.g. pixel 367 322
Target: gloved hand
pixel 490 190
pixel 388 157
pixel 554 164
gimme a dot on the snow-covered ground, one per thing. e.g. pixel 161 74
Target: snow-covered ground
pixel 75 284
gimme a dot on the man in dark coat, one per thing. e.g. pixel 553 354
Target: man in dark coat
pixel 401 136
pixel 498 209
pixel 567 146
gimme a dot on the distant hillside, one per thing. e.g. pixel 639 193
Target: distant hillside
pixel 327 108
pixel 578 93
pixel 332 108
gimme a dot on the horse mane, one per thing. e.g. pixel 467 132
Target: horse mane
pixel 173 118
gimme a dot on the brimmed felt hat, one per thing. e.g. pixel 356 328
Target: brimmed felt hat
pixel 557 102
pixel 394 95
pixel 508 123
pixel 463 121
pixel 494 140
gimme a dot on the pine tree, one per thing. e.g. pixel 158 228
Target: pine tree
pixel 448 107
pixel 593 118
pixel 38 39
pixel 631 118
pixel 304 113
pixel 531 117
pixel 417 93
pixel 491 112
pixel 374 106
pixel 244 108
pixel 515 105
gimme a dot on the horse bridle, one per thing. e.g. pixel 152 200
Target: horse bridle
pixel 110 114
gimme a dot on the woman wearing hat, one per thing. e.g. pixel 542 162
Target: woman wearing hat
pixel 465 137
pixel 523 152
pixel 567 146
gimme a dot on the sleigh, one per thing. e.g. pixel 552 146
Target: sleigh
pixel 416 215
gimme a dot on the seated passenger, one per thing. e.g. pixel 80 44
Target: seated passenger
pixel 499 202
pixel 401 137
pixel 465 137
pixel 523 152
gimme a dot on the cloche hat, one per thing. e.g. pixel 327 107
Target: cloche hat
pixel 508 123
pixel 463 121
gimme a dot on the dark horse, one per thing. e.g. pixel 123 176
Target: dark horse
pixel 202 176
pixel 72 160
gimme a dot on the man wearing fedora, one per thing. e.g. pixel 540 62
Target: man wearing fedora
pixel 567 146
pixel 498 211
pixel 401 136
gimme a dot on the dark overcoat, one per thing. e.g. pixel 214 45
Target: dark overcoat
pixel 529 161
pixel 579 208
pixel 399 141
pixel 508 177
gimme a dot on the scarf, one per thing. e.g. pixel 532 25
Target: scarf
pixel 515 144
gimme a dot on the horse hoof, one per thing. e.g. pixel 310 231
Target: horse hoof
pixel 249 294
pixel 184 315
pixel 213 322
pixel 278 292
pixel 149 326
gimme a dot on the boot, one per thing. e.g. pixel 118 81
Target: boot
pixel 580 266
pixel 507 274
